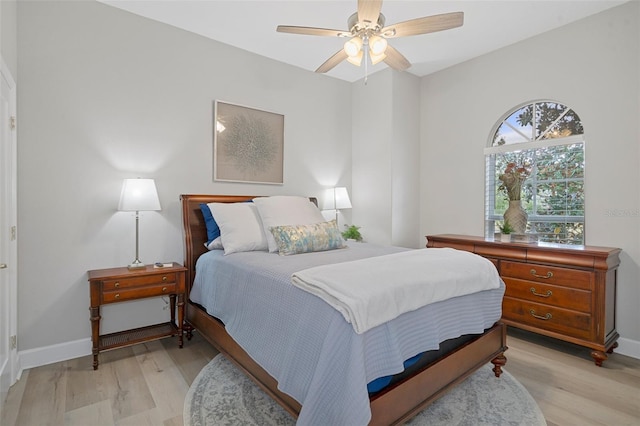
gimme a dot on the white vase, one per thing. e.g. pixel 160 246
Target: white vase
pixel 516 216
pixel 505 238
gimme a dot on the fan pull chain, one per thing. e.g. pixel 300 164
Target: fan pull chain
pixel 366 62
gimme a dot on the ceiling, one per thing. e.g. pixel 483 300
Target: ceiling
pixel 251 25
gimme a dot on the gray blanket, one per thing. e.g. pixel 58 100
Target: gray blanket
pixel 307 345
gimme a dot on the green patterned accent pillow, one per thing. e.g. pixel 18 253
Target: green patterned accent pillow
pixel 307 238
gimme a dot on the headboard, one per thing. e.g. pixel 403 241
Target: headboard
pixel 194 229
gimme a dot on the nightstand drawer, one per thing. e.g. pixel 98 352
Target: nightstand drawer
pixel 563 297
pixel 144 280
pixel 547 274
pixel 138 293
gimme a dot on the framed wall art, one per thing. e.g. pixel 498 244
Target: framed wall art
pixel 248 144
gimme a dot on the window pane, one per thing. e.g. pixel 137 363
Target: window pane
pixel 556 121
pixel 560 162
pixel 559 232
pixel 515 129
pixel 560 199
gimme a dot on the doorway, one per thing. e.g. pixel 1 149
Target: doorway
pixel 8 234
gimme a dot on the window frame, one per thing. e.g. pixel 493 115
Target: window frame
pixel 490 151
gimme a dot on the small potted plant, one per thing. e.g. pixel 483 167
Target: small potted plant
pixel 352 233
pixel 505 231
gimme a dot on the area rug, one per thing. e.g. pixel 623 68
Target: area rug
pixel 222 395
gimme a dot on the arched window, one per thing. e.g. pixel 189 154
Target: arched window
pixel 540 146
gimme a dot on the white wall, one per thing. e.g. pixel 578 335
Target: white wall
pixel 385 167
pixel 106 95
pixel 591 66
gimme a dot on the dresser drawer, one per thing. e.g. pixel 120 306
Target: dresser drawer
pixel 563 297
pixel 547 274
pixel 138 293
pixel 565 321
pixel 144 280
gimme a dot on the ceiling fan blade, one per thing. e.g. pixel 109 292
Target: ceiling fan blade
pixel 312 31
pixel 395 59
pixel 328 65
pixel 428 24
pixel 369 10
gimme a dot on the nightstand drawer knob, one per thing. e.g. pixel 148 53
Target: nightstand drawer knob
pixel 164 289
pixel 164 278
pixel 117 284
pixel 117 296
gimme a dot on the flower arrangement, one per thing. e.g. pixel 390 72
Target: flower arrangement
pixel 512 180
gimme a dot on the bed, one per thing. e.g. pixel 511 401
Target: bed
pixel 408 392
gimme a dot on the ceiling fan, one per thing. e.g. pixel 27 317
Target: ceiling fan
pixel 368 35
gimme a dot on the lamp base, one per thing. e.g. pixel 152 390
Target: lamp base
pixel 136 265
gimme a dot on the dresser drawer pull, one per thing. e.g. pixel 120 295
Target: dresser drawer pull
pixel 548 316
pixel 164 278
pixel 547 294
pixel 164 289
pixel 117 284
pixel 117 296
pixel 545 277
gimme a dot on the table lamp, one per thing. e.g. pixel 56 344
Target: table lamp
pixel 138 195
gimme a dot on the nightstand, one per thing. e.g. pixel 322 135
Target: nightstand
pixel 119 284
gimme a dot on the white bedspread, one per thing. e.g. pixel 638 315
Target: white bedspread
pixel 369 292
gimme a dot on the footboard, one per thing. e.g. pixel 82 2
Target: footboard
pixel 403 401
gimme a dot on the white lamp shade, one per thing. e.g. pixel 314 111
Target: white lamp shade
pixel 139 195
pixel 341 197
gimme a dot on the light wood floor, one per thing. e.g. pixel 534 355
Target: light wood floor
pixel 146 385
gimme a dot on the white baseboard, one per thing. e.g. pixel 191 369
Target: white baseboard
pixel 628 347
pixel 64 351
pixel 31 358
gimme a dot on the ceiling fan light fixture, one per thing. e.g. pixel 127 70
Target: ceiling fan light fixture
pixel 356 60
pixel 353 47
pixel 377 45
pixel 376 58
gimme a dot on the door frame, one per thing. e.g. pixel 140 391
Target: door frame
pixel 9 250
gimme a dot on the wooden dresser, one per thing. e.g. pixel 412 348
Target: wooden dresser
pixel 562 291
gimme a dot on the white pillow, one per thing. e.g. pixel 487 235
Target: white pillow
pixel 285 210
pixel 216 244
pixel 240 227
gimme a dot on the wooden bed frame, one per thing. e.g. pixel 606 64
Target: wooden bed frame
pixel 393 405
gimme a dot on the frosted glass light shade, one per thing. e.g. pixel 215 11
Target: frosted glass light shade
pixel 139 195
pixel 341 197
pixel 356 60
pixel 377 45
pixel 377 58
pixel 353 46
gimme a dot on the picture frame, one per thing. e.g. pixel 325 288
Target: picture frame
pixel 248 144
